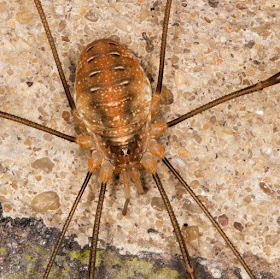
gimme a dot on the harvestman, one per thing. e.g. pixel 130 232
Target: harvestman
pixel 273 80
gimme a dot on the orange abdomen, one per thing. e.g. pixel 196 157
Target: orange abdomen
pixel 112 92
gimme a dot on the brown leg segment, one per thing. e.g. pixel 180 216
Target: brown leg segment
pixel 95 232
pixel 210 217
pixel 179 237
pixel 250 89
pixel 36 126
pixel 66 225
pixel 163 45
pixel 55 55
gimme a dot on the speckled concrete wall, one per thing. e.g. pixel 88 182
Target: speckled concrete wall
pixel 229 155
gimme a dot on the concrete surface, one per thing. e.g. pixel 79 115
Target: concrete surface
pixel 229 155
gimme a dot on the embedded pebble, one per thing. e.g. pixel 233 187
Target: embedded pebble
pixel 194 184
pixel 238 226
pixel 183 153
pixel 166 97
pixel 66 115
pixel 123 24
pixel 24 17
pixel 249 198
pixel 180 78
pixel 191 235
pixel 264 188
pixel 223 220
pixel 92 16
pixel 272 239
pixel 44 164
pixel 216 273
pixel 145 12
pixel 157 203
pixel 45 201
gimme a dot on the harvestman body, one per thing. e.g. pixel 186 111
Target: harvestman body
pixel 113 101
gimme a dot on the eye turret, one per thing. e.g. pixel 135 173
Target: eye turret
pixel 125 151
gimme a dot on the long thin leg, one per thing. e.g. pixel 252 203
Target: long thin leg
pixel 36 126
pixel 250 89
pixel 66 225
pixel 210 217
pixel 95 232
pixel 55 55
pixel 179 237
pixel 156 97
pixel 163 45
